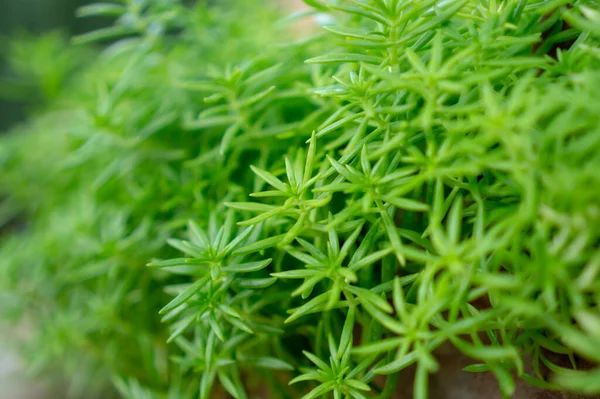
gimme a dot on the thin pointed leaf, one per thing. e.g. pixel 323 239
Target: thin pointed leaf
pixel 269 178
pixel 185 295
pixel 247 267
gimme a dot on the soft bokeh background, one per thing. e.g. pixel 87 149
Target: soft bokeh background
pixel 37 17
pixel 18 17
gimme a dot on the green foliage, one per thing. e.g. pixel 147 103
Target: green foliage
pixel 208 204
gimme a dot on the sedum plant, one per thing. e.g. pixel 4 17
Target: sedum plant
pixel 204 205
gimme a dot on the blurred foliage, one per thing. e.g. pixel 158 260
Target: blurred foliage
pixel 33 17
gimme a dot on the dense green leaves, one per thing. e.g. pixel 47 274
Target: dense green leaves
pixel 204 208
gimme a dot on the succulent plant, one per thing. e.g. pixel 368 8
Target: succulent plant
pixel 208 203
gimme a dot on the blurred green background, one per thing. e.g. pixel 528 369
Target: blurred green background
pixel 19 17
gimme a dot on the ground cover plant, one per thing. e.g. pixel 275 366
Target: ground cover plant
pixel 204 204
